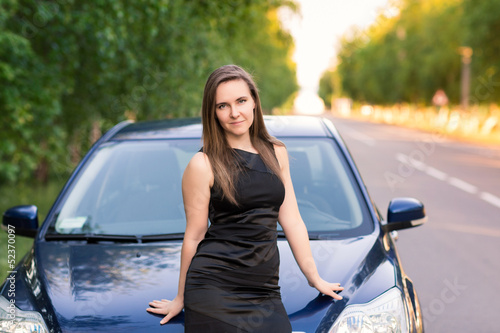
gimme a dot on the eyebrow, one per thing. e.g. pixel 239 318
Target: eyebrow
pixel 217 104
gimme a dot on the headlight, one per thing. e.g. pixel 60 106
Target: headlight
pixel 385 314
pixel 15 320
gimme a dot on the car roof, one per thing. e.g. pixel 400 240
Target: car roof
pixel 279 126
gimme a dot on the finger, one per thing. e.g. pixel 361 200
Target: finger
pixel 333 294
pixel 336 296
pixel 155 304
pixel 336 286
pixel 166 319
pixel 159 303
pixel 157 310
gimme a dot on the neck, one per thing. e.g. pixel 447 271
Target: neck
pixel 240 142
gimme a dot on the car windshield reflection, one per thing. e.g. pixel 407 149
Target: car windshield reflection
pixel 133 188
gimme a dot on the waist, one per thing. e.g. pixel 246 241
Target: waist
pixel 215 255
pixel 242 232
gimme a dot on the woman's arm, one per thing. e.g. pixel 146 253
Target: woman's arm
pixel 196 183
pixel 296 232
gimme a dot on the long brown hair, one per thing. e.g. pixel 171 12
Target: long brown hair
pixel 215 144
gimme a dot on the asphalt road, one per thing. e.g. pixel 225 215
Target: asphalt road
pixel 454 259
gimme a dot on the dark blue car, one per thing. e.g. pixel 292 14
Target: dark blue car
pixel 111 242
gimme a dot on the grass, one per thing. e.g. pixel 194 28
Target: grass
pixel 39 195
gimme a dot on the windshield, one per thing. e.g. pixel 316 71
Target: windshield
pixel 134 188
pixel 129 188
pixel 328 196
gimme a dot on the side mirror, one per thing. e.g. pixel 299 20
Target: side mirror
pixel 404 213
pixel 24 220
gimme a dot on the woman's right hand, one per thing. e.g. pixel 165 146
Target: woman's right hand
pixel 165 307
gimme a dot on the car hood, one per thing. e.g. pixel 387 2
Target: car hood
pixel 107 287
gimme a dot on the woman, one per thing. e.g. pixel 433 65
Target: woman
pixel 240 180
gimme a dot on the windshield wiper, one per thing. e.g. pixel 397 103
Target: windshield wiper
pixel 96 238
pixel 315 236
pixel 162 237
pixel 324 236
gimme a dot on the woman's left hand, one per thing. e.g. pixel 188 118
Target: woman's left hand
pixel 328 288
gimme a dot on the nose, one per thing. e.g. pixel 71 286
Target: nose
pixel 234 111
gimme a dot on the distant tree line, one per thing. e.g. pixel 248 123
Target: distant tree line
pixel 71 69
pixel 414 48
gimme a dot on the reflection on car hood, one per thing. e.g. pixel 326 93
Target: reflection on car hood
pixel 107 287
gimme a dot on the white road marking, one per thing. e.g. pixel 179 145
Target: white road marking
pixel 417 164
pixel 402 158
pixel 440 175
pixel 464 186
pixel 436 173
pixel 490 198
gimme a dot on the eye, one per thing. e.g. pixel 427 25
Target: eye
pixel 241 101
pixel 221 106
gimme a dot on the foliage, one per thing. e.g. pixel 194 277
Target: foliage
pixel 483 24
pixel 28 103
pixel 70 69
pixel 328 87
pixel 408 55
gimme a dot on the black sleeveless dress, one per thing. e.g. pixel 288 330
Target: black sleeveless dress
pixel 232 282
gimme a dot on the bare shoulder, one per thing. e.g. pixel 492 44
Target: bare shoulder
pixel 281 155
pixel 199 161
pixel 199 168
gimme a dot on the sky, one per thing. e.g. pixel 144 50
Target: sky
pixel 318 28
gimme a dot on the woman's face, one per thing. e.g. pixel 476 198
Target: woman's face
pixel 234 108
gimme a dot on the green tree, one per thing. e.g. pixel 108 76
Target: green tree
pixel 329 87
pixel 29 136
pixel 482 25
pixel 405 57
pixel 72 69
